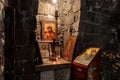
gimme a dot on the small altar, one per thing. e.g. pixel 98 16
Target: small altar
pixel 54 70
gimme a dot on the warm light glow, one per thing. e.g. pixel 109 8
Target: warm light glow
pixel 49 15
pixel 57 59
pixel 48 5
pixel 55 1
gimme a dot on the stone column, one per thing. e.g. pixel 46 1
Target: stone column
pixel 24 39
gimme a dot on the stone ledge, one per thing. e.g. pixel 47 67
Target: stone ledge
pixel 53 65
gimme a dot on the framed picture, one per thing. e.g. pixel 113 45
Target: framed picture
pixel 58 51
pixel 69 48
pixel 44 49
pixel 49 30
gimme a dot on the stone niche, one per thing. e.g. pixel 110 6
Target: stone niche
pixel 68 15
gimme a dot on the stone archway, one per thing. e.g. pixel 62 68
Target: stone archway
pixel 20 24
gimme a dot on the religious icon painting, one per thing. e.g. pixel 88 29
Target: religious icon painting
pixel 58 51
pixel 69 48
pixel 49 30
pixel 44 49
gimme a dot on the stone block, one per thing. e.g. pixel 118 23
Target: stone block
pixel 29 77
pixel 88 44
pixel 104 29
pixel 25 5
pixel 51 10
pixel 47 75
pixel 22 52
pixel 76 2
pixel 37 76
pixel 86 38
pixel 105 4
pixel 68 1
pixel 88 28
pixel 18 77
pixel 1 25
pixel 21 37
pixel 62 74
pixel 77 16
pixel 81 27
pixel 42 8
pixel 61 21
pixel 32 37
pixel 83 16
pixel 19 21
pixel 92 28
pixel 83 4
pixel 76 7
pixel 90 5
pixel 46 9
pixel 96 29
pixel 19 25
pixel 105 11
pixel 50 18
pixel 30 23
pixel 35 6
pixel 95 39
pixel 98 19
pixel 91 16
pixel 76 25
pixel 67 7
pixel 69 19
pixel 38 20
pixel 105 20
pixel 92 38
pixel 24 67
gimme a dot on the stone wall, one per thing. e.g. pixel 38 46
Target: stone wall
pixel 45 12
pixel 95 30
pixel 20 24
pixel 94 23
pixel 59 74
pixel 25 41
pixel 69 16
pixel 2 17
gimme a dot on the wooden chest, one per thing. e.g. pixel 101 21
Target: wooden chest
pixel 87 65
